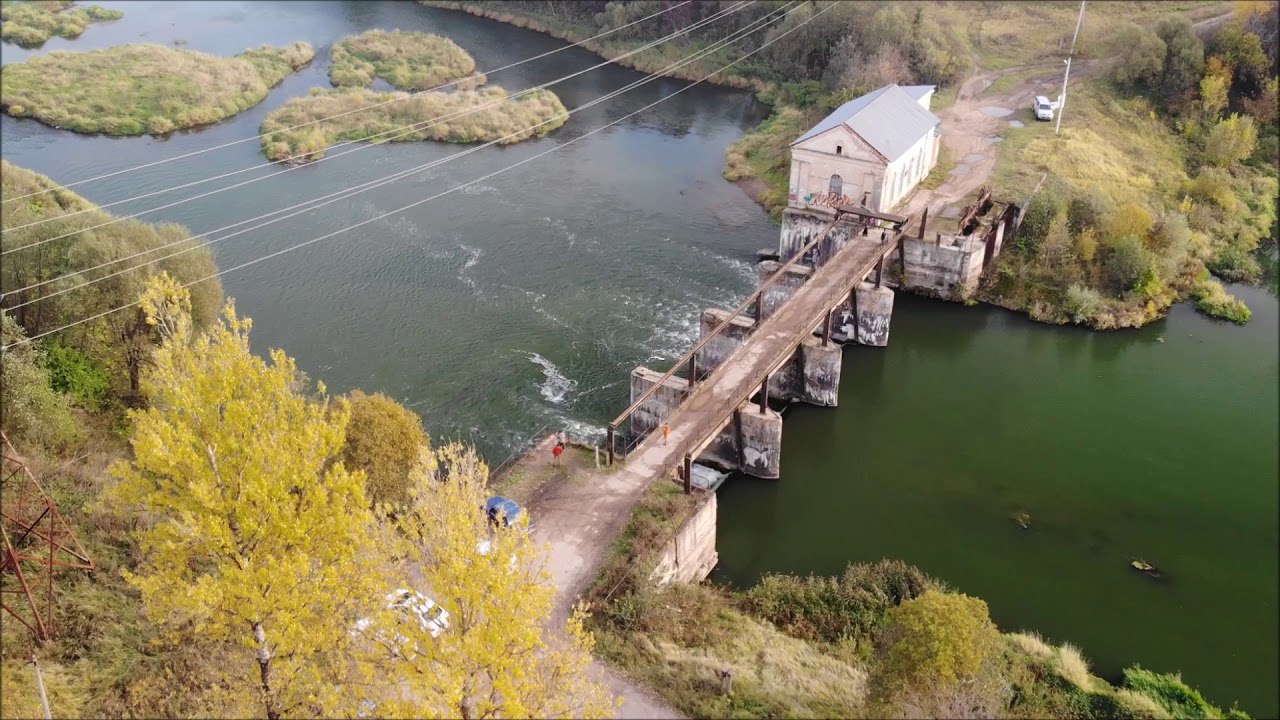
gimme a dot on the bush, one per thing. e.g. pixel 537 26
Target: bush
pixel 1235 264
pixel 1231 141
pixel 1126 263
pixel 30 408
pixel 385 439
pixel 1039 215
pixel 76 374
pixel 407 60
pixel 833 610
pixel 1087 210
pixel 1213 300
pixel 1081 303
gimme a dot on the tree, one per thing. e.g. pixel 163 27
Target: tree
pixel 1231 141
pixel 1183 59
pixel 1127 263
pixel 252 535
pixel 30 408
pixel 1213 93
pixel 383 440
pixel 496 657
pixel 1129 219
pixel 1141 56
pixel 1264 106
pixel 938 657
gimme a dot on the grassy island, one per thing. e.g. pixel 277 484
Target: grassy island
pixel 140 89
pixel 490 123
pixel 410 62
pixel 31 23
pixel 406 60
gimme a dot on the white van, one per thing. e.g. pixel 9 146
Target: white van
pixel 1043 108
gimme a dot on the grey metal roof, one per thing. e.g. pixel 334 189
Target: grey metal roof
pixel 918 91
pixel 889 119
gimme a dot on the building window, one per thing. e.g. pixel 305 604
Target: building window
pixel 837 185
pixel 839 149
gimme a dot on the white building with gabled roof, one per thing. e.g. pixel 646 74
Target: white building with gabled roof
pixel 871 151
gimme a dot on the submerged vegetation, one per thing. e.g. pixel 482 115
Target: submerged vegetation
pixel 141 89
pixel 359 114
pixel 31 22
pixel 406 60
pixel 880 640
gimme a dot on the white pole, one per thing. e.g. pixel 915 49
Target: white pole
pixel 44 699
pixel 1062 99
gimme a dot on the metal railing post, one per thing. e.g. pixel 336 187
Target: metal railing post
pixel 611 442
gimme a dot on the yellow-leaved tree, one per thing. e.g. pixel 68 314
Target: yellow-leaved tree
pixel 502 652
pixel 253 535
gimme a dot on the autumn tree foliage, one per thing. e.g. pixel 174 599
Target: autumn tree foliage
pixel 503 654
pixel 254 535
pixel 384 439
pixel 939 657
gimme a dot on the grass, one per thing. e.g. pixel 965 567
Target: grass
pixel 941 172
pixel 30 24
pixel 143 88
pixel 764 154
pixel 406 60
pixel 1073 667
pixel 507 122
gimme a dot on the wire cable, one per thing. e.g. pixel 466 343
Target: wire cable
pixel 331 117
pixel 356 190
pixel 438 195
pixel 363 143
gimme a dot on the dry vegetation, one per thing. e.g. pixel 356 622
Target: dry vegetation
pixel 471 116
pixel 140 89
pixel 406 60
pixel 29 24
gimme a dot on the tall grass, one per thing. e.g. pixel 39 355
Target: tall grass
pixel 491 123
pixel 407 60
pixel 31 23
pixel 140 89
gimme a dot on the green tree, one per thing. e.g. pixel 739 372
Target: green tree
pixel 1127 263
pixel 938 657
pixel 498 655
pixel 383 439
pixel 1183 59
pixel 30 408
pixel 1231 141
pixel 1213 94
pixel 1141 57
pixel 254 535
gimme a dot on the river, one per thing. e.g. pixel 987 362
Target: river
pixel 524 301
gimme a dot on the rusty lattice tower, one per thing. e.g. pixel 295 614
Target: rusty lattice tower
pixel 37 542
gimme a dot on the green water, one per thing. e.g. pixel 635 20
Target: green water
pixel 1158 444
pixel 527 299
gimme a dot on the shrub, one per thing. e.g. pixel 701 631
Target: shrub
pixel 407 60
pixel 938 657
pixel 1235 264
pixel 1213 300
pixel 831 610
pixel 1039 215
pixel 384 438
pixel 1129 219
pixel 1126 263
pixel 1213 185
pixel 1231 141
pixel 30 408
pixel 1081 303
pixel 1086 210
pixel 158 125
pixel 76 374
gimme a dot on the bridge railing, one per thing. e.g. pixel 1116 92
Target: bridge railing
pixel 688 362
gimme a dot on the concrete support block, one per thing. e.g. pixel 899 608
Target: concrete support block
pixel 950 270
pixel 799 226
pixel 783 289
pixel 732 337
pixel 761 441
pixel 690 556
pixel 875 308
pixel 821 371
pixel 658 408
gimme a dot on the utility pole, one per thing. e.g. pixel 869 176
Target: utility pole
pixel 44 698
pixel 1062 99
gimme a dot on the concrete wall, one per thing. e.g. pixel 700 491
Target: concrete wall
pixel 781 291
pixel 750 441
pixel 951 270
pixel 719 348
pixel 801 226
pixel 875 309
pixel 690 556
pixel 660 405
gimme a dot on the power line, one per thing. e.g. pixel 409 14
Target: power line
pixel 358 189
pixel 331 117
pixel 441 194
pixel 364 143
